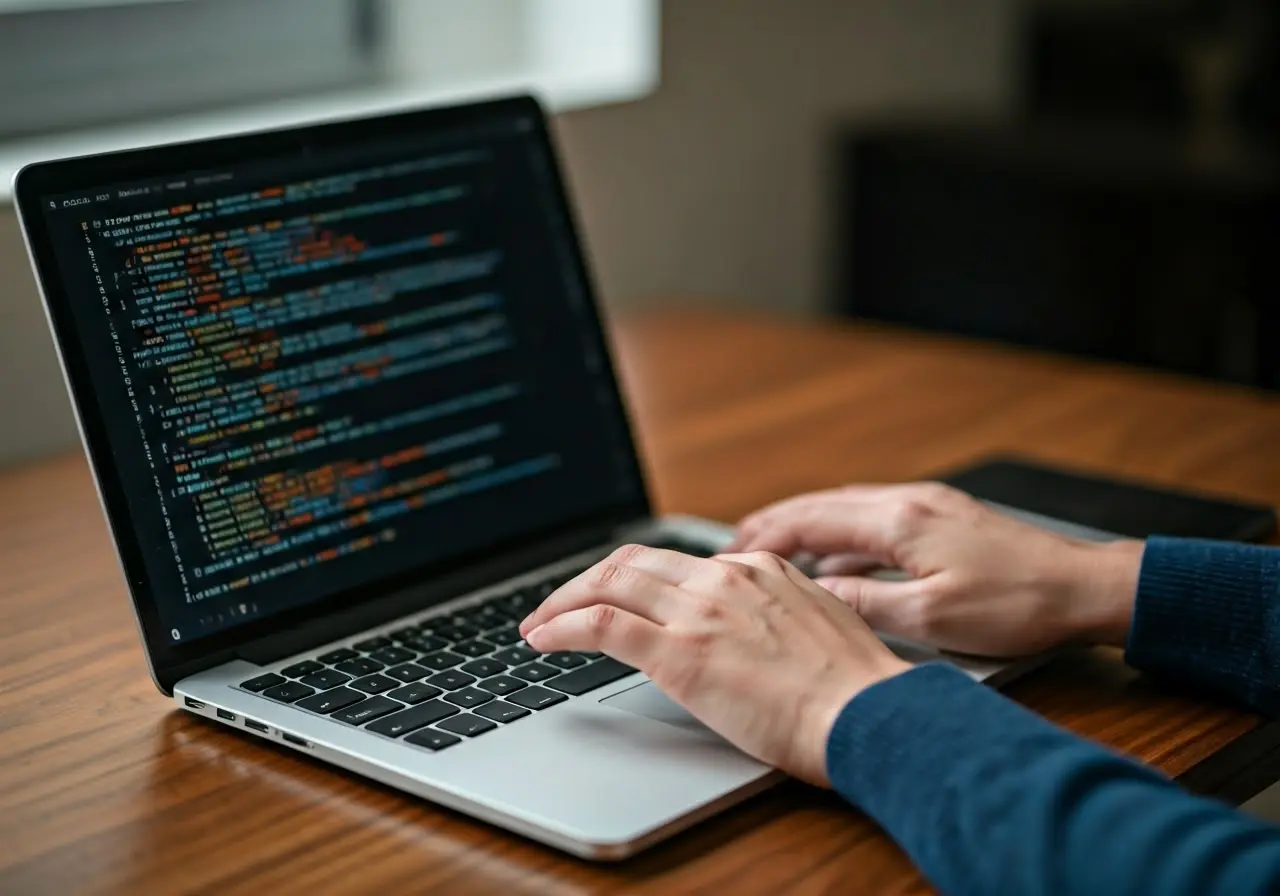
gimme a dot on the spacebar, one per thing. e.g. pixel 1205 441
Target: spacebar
pixel 588 678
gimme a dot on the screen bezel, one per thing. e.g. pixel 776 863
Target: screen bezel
pixel 68 175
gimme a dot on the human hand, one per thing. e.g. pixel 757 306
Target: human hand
pixel 979 581
pixel 746 643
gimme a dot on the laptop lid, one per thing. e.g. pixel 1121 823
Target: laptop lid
pixel 314 366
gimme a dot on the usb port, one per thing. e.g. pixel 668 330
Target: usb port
pixel 296 741
pixel 226 714
pixel 193 704
pixel 256 726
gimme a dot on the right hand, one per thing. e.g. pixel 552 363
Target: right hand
pixel 978 582
pixel 746 643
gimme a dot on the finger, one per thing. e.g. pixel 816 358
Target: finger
pixel 624 636
pixel 751 524
pixel 847 564
pixel 780 515
pixel 613 582
pixel 830 527
pixel 886 606
pixel 672 567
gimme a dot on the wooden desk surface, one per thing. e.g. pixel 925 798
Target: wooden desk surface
pixel 105 788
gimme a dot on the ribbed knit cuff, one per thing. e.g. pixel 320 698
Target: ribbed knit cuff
pixel 1205 609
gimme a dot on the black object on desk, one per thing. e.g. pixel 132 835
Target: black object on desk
pixel 1125 508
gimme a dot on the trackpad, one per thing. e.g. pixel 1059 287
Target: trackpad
pixel 648 701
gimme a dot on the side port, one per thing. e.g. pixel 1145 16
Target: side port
pixel 257 726
pixel 192 704
pixel 296 741
pixel 226 714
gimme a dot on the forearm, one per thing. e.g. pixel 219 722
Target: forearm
pixel 1209 612
pixel 988 798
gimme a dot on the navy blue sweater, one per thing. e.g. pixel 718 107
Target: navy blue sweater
pixel 989 798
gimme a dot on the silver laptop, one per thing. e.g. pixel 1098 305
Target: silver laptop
pixel 351 413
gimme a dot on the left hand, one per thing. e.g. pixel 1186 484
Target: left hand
pixel 746 643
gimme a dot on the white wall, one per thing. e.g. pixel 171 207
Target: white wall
pixel 711 189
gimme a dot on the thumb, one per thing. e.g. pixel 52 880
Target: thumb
pixel 885 606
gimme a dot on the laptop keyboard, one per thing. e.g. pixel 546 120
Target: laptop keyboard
pixel 449 678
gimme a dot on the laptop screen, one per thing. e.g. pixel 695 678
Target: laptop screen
pixel 322 370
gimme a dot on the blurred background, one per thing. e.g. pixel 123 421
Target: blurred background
pixel 1096 177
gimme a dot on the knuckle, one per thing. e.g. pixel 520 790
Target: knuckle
pixel 767 560
pixel 731 575
pixel 936 492
pixel 911 513
pixel 600 619
pixel 627 554
pixel 607 574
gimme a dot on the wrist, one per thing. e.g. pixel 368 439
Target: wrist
pixel 881 669
pixel 1104 589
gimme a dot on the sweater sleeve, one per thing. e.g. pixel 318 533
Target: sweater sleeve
pixel 988 798
pixel 1208 612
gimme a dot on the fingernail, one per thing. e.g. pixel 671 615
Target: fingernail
pixel 529 638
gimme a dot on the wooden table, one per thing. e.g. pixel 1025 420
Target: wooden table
pixel 105 788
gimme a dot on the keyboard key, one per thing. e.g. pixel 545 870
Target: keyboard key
pixel 536 698
pixel 432 739
pixel 297 670
pixel 590 654
pixel 361 665
pixel 473 648
pixel 408 633
pixel 469 697
pixel 409 672
pixel 521 604
pixel 456 632
pixel 440 661
pixel 488 615
pixel 503 685
pixel 375 684
pixel 341 655
pixel 483 668
pixel 262 682
pixel 467 725
pixel 371 644
pixel 331 701
pixel 535 672
pixel 289 692
pixel 325 679
pixel 515 656
pixel 415 693
pixel 588 678
pixel 451 680
pixel 564 660
pixel 504 636
pixel 427 644
pixel 502 711
pixel 389 656
pixel 467 615
pixel 367 710
pixel 401 723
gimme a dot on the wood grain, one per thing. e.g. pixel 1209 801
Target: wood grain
pixel 106 789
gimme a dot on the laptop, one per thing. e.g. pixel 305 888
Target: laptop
pixel 351 413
